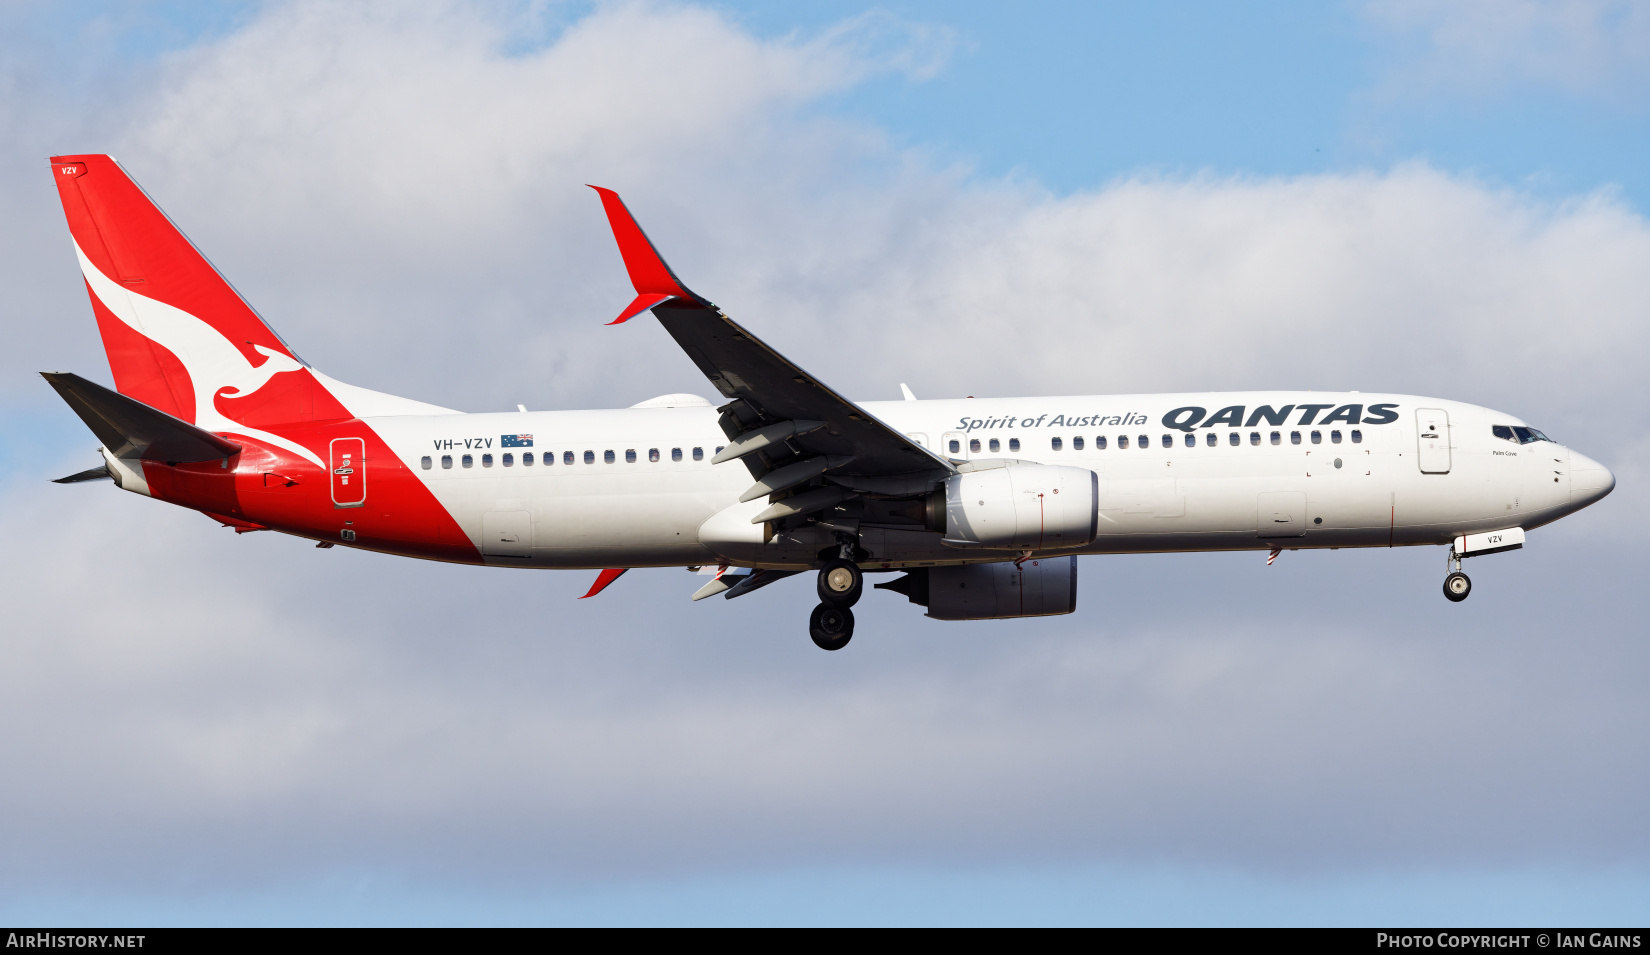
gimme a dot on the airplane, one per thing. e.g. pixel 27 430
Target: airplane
pixel 978 508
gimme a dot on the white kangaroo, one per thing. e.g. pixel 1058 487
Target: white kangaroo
pixel 214 364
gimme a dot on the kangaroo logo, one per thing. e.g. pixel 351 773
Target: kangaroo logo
pixel 215 366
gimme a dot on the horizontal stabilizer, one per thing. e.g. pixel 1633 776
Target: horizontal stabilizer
pixel 129 428
pixel 90 474
pixel 86 475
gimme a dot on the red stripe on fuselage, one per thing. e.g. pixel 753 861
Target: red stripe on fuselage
pixel 400 515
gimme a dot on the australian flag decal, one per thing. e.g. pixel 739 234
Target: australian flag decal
pixel 515 441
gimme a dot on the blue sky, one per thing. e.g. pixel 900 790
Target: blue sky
pixel 1309 744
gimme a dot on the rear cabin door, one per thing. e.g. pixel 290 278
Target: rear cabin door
pixel 1432 440
pixel 349 472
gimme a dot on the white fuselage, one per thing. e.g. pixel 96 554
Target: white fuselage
pixel 638 494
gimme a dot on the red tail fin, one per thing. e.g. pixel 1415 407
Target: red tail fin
pixel 178 336
pixel 166 316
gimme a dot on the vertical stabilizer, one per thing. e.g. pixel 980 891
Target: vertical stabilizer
pixel 178 336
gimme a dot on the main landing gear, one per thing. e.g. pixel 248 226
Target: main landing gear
pixel 832 622
pixel 1457 585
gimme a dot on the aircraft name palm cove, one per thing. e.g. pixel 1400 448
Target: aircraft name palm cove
pixel 981 506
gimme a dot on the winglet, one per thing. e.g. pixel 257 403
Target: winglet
pixel 644 301
pixel 654 281
pixel 603 579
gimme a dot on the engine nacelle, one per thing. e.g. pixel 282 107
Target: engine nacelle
pixel 1022 507
pixel 1036 588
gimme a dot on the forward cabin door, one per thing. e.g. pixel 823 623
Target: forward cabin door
pixel 1432 440
pixel 349 472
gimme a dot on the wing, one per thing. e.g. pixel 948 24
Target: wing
pixel 807 446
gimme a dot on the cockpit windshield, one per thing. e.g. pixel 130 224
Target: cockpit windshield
pixel 1518 434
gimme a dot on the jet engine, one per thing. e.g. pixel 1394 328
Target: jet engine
pixel 1035 588
pixel 1022 507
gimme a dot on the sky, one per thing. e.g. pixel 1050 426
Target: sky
pixel 975 199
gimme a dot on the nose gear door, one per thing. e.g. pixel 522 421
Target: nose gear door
pixel 349 472
pixel 1432 440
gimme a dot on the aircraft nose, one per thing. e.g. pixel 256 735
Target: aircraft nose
pixel 1589 480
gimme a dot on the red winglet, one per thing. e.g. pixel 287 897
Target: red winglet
pixel 654 281
pixel 603 579
pixel 644 301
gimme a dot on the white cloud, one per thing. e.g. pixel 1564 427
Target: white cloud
pixel 401 194
pixel 1477 47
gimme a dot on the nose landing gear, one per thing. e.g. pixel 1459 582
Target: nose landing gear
pixel 1457 585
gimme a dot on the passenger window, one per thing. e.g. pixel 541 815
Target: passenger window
pixel 1234 439
pixel 1254 437
pixel 996 445
pixel 486 460
pixel 425 463
pixel 467 461
pixel 630 455
pixel 1277 437
pixel 1334 437
pixel 1143 442
pixel 589 457
pixel 446 462
pixel 527 459
pixel 974 445
pixel 567 457
pixel 1014 443
pixel 1099 443
pixel 1294 437
pixel 1054 443
pixel 653 455
pixel 1357 436
pixel 1502 431
pixel 956 446
pixel 698 454
pixel 1211 439
pixel 1317 437
pixel 1122 441
pixel 608 457
pixel 719 448
pixel 1168 441
pixel 509 460
pixel 676 454
pixel 1077 444
pixel 1191 440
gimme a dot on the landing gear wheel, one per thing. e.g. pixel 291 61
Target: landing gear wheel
pixel 840 583
pixel 831 627
pixel 1457 586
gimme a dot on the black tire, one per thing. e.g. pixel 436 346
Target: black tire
pixel 831 627
pixel 1457 586
pixel 840 583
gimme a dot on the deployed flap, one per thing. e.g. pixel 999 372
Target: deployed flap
pixel 129 428
pixel 764 387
